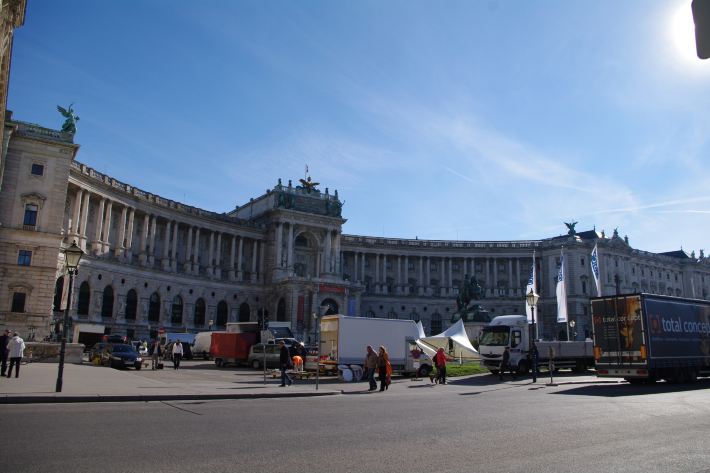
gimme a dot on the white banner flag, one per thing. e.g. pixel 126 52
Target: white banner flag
pixel 531 286
pixel 595 270
pixel 561 292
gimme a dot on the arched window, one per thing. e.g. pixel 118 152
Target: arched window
pixel 82 306
pixel 131 305
pixel 154 308
pixel 176 311
pixel 281 311
pixel 200 312
pixel 107 303
pixel 244 312
pixel 329 307
pixel 58 290
pixel 222 314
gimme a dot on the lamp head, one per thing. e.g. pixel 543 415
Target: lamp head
pixel 72 256
pixel 531 298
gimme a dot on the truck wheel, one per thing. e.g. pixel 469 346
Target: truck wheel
pixel 692 375
pixel 218 362
pixel 523 367
pixel 256 364
pixel 424 370
pixel 494 371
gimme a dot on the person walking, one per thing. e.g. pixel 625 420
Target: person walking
pixel 385 368
pixel 505 364
pixel 155 353
pixel 16 349
pixel 177 354
pixel 440 363
pixel 370 365
pixel 284 364
pixel 4 340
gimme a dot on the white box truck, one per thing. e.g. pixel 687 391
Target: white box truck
pixel 344 341
pixel 513 331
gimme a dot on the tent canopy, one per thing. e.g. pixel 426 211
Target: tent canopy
pixel 453 340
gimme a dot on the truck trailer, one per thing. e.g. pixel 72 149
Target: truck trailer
pixel 513 331
pixel 344 340
pixel 231 348
pixel 645 337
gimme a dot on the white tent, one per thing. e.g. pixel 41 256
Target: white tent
pixel 456 334
pixel 420 327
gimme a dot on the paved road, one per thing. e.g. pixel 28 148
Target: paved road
pixel 476 424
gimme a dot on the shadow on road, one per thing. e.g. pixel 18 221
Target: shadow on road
pixel 625 389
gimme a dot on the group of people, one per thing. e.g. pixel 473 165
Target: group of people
pixel 378 362
pixel 157 352
pixel 12 349
pixel 290 358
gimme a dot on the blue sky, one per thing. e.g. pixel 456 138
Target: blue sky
pixel 471 120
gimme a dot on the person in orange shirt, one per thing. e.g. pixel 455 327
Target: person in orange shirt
pixel 385 368
pixel 440 363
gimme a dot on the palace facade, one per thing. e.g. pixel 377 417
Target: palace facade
pixel 152 263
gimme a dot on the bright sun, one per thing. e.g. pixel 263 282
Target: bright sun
pixel 683 32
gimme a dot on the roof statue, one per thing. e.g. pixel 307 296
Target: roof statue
pixel 570 227
pixel 470 290
pixel 308 185
pixel 69 125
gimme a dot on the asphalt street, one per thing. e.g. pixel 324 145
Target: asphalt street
pixel 475 424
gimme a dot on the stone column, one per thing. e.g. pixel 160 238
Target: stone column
pixel 377 272
pixel 289 262
pixel 106 240
pixel 84 221
pixel 510 276
pixel 129 236
pixel 406 275
pixel 187 267
pixel 279 244
pixel 385 289
pixel 196 253
pixel 240 253
pixel 151 251
pixel 355 268
pixel 427 270
pixel 362 266
pixel 337 255
pixel 398 273
pixel 165 262
pixel 421 276
pixel 75 226
pixel 218 257
pixel 254 255
pixel 173 251
pixel 327 252
pixel 450 282
pixel 488 276
pixel 260 271
pixel 210 256
pixel 143 258
pixel 232 252
pixel 96 245
pixel 495 277
pixel 121 239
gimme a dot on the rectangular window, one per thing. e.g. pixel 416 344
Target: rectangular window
pixel 18 302
pixel 38 169
pixel 581 260
pixel 30 215
pixel 24 258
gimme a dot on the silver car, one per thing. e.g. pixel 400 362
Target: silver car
pixel 256 356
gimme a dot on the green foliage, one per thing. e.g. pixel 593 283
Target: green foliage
pixel 453 369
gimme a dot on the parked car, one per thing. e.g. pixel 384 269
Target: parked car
pixel 120 355
pixel 256 356
pixel 186 351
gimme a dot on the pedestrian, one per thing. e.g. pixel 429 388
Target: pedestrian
pixel 155 353
pixel 440 363
pixel 385 368
pixel 15 348
pixel 370 365
pixel 505 364
pixel 4 340
pixel 284 364
pixel 177 354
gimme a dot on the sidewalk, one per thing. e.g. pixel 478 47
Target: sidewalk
pixel 87 383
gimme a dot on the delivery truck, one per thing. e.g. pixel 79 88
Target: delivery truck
pixel 231 348
pixel 344 341
pixel 645 337
pixel 514 332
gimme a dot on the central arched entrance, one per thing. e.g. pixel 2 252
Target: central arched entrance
pixel 329 307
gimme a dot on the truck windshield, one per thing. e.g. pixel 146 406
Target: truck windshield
pixel 495 336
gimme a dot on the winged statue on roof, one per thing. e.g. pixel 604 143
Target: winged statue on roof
pixel 69 125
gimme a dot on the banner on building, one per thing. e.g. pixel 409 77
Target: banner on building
pixel 561 291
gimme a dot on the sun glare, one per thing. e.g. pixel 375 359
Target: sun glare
pixel 683 32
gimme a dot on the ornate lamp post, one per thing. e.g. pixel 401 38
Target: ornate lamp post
pixel 531 298
pixel 72 256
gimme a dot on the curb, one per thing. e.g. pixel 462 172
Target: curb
pixel 156 397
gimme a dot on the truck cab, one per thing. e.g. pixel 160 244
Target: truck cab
pixel 505 331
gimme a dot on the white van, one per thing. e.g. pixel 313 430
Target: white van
pixel 201 347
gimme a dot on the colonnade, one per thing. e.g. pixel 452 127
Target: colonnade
pixel 181 249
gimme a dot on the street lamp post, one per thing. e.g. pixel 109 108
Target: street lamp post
pixel 315 317
pixel 531 298
pixel 72 256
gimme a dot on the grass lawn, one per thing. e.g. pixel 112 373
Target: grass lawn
pixel 453 369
